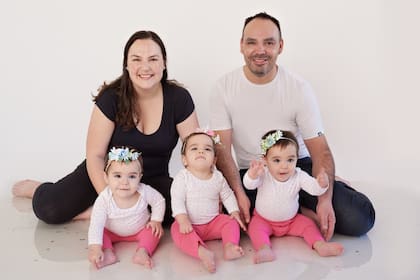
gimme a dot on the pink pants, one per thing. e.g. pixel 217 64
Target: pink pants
pixel 261 229
pixel 144 237
pixel 222 227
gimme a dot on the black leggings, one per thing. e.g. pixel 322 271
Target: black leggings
pixel 354 212
pixel 60 202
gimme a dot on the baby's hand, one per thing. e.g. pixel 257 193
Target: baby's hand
pixel 256 169
pixel 184 223
pixel 96 255
pixel 322 179
pixel 185 227
pixel 156 227
pixel 235 215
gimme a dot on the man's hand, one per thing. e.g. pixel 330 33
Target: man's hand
pixel 235 215
pixel 326 218
pixel 244 205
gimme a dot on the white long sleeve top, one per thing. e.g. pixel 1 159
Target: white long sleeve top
pixel 198 198
pixel 124 222
pixel 279 201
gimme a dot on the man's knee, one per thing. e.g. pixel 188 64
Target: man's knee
pixel 358 220
pixel 355 213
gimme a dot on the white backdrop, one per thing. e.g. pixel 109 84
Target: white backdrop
pixel 361 57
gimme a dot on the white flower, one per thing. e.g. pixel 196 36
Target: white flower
pixel 123 154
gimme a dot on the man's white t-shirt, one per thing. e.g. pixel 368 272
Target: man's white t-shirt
pixel 251 110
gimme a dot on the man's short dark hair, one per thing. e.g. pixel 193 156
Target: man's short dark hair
pixel 262 15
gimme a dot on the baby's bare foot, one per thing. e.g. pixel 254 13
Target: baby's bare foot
pixel 142 257
pixel 25 188
pixel 232 251
pixel 265 254
pixel 207 258
pixel 326 249
pixel 109 258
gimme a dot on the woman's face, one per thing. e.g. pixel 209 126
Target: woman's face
pixel 145 64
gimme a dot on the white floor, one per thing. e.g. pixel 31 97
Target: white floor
pixel 32 249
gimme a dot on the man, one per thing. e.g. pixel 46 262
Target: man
pixel 261 96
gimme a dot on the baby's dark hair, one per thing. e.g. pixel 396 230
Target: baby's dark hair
pixel 280 138
pixel 123 154
pixel 185 142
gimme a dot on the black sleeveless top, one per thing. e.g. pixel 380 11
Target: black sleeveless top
pixel 156 148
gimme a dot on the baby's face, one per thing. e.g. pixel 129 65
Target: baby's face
pixel 199 153
pixel 281 162
pixel 124 178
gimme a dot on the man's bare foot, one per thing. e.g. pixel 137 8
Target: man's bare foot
pixel 85 215
pixel 232 251
pixel 109 258
pixel 142 257
pixel 265 254
pixel 338 178
pixel 25 188
pixel 310 214
pixel 207 258
pixel 326 249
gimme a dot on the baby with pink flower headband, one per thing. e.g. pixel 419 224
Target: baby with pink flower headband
pixel 215 137
pixel 196 192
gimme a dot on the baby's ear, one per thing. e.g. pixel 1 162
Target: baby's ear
pixel 106 178
pixel 184 160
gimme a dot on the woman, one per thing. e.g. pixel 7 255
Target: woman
pixel 142 109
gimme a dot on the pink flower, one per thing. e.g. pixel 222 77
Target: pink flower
pixel 210 133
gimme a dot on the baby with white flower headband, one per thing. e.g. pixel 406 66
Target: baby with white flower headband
pixel 195 195
pixel 120 213
pixel 278 182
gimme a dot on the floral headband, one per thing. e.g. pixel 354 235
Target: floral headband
pixel 123 154
pixel 215 137
pixel 272 139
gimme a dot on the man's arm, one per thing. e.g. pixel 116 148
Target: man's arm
pixel 322 160
pixel 226 164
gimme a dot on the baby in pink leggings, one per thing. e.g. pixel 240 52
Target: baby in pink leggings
pixel 195 195
pixel 120 212
pixel 276 206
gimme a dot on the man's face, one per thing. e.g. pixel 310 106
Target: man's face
pixel 260 45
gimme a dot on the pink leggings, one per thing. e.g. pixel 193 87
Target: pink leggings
pixel 260 230
pixel 222 227
pixel 144 237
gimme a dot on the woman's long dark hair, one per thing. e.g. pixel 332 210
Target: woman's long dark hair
pixel 128 115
